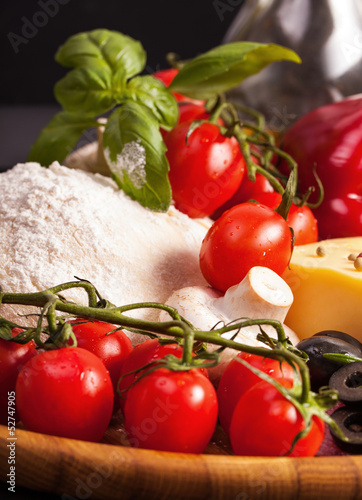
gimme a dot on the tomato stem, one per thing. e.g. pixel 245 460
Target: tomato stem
pixel 252 167
pixel 50 301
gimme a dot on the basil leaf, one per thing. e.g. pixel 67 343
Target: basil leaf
pixel 103 48
pixel 152 93
pixel 226 66
pixel 59 137
pixel 135 153
pixel 88 90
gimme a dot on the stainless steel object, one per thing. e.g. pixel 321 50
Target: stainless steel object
pixel 326 34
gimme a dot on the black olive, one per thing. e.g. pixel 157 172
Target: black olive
pixel 321 368
pixel 349 420
pixel 348 382
pixel 340 335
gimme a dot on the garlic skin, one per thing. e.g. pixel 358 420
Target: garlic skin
pixel 262 294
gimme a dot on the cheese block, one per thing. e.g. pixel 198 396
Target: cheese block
pixel 327 288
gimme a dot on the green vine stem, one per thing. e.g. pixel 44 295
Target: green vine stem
pixel 60 333
pixel 50 302
pixel 254 134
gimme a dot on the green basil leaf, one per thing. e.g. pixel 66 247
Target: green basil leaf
pixel 226 66
pixel 135 153
pixel 152 93
pixel 103 48
pixel 59 137
pixel 88 90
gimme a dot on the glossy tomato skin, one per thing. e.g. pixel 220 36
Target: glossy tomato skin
pixel 329 137
pixel 247 235
pixel 237 379
pixel 264 423
pixel 65 392
pixel 247 191
pixel 13 357
pixel 112 349
pixel 300 219
pixel 191 111
pixel 205 170
pixel 144 353
pixel 171 411
pixel 166 76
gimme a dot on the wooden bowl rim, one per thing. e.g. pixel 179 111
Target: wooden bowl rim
pixel 68 463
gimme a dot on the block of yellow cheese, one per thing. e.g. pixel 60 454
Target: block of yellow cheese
pixel 327 288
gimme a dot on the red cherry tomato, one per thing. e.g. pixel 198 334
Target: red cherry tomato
pixel 237 379
pixel 166 76
pixel 190 111
pixel 112 349
pixel 171 411
pixel 247 191
pixel 300 219
pixel 205 170
pixel 247 235
pixel 264 423
pixel 12 358
pixel 144 353
pixel 66 392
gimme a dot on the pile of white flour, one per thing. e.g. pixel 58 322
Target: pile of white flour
pixel 57 223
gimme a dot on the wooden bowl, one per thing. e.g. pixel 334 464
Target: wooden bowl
pixel 113 470
pixel 105 471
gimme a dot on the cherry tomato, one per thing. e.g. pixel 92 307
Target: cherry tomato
pixel 66 392
pixel 247 191
pixel 146 352
pixel 237 379
pixel 264 423
pixel 205 170
pixel 171 411
pixel 112 349
pixel 300 219
pixel 166 76
pixel 190 111
pixel 12 358
pixel 247 235
pixel 304 224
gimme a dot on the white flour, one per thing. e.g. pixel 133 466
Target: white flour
pixel 58 223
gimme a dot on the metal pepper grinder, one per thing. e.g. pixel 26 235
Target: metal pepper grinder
pixel 326 34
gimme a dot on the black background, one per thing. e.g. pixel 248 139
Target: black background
pixel 31 32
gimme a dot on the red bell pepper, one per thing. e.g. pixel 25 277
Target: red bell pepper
pixel 330 137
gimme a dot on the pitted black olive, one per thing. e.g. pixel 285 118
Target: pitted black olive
pixel 320 368
pixel 349 420
pixel 348 382
pixel 336 334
